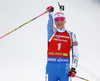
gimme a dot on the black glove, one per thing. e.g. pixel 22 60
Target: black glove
pixel 72 72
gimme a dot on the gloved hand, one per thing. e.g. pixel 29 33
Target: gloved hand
pixel 50 9
pixel 72 72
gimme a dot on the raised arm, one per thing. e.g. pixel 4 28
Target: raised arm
pixel 50 22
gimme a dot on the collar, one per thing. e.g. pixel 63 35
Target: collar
pixel 61 30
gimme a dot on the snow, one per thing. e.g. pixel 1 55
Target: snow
pixel 23 52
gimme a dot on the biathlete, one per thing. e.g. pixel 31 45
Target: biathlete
pixel 60 42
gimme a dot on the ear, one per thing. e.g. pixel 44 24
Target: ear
pixel 65 21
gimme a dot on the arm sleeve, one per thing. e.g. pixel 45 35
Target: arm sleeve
pixel 75 54
pixel 50 26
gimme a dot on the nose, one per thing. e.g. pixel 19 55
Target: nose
pixel 59 21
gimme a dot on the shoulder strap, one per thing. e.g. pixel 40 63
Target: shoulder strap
pixel 52 35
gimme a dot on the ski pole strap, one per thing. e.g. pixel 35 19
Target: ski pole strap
pixel 22 25
pixel 82 78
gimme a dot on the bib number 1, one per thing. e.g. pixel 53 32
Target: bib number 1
pixel 59 46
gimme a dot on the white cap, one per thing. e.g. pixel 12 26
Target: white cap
pixel 59 14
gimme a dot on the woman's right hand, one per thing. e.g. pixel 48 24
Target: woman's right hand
pixel 50 9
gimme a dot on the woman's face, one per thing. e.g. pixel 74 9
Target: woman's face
pixel 60 24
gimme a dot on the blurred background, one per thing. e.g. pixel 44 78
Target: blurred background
pixel 23 52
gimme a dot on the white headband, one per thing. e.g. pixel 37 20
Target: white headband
pixel 59 14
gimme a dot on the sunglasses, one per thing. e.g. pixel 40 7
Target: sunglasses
pixel 59 19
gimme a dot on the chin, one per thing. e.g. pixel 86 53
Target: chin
pixel 59 27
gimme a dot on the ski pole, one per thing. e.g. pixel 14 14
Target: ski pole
pixel 82 78
pixel 23 25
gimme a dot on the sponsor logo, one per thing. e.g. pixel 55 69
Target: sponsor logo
pixel 74 35
pixel 65 54
pixel 60 40
pixel 58 13
pixel 57 53
pixel 62 60
pixel 67 60
pixel 51 53
pixel 61 36
pixel 52 59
